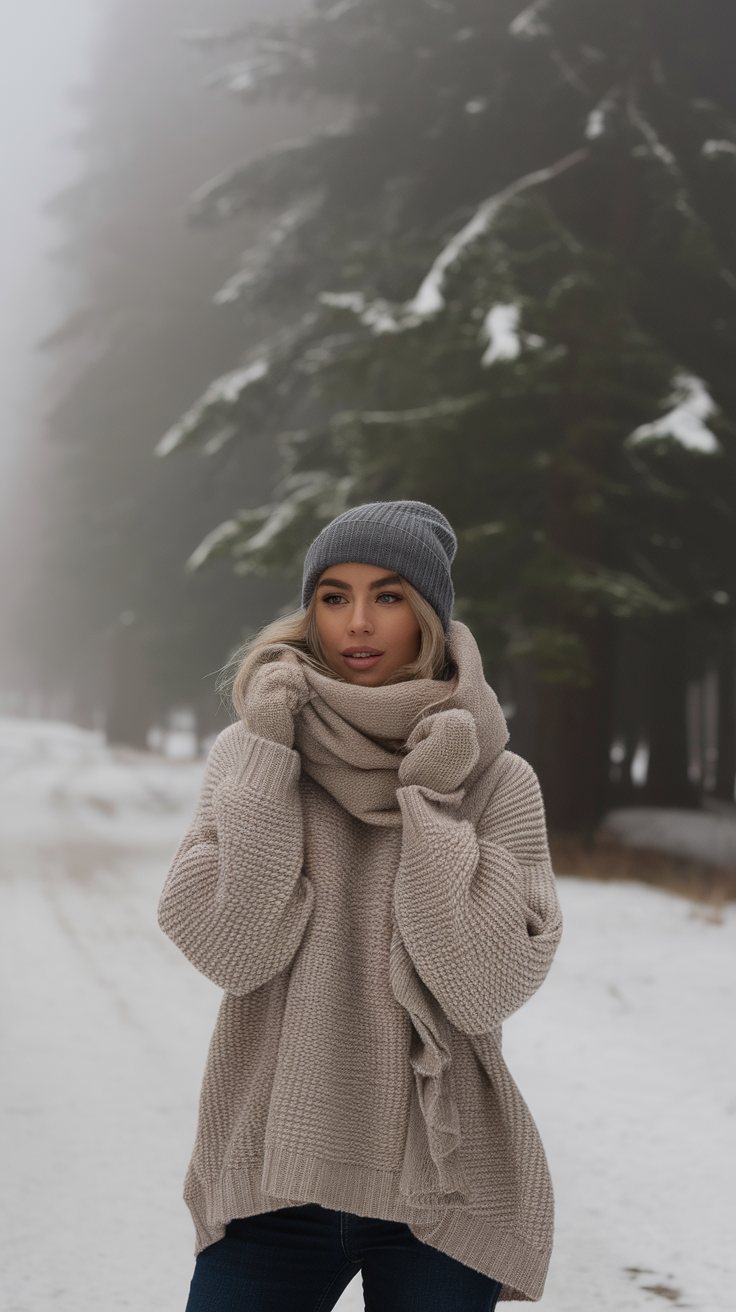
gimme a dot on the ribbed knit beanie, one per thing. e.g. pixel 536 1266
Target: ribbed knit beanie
pixel 406 537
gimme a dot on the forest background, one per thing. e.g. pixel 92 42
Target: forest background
pixel 467 251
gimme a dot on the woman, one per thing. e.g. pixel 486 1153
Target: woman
pixel 368 879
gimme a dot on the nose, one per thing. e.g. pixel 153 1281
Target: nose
pixel 360 621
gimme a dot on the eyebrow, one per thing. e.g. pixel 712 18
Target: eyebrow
pixel 348 587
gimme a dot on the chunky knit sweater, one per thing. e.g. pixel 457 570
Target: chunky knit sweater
pixel 373 915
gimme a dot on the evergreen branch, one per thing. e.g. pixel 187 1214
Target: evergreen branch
pixel 429 298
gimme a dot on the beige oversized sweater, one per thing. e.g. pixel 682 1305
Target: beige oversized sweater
pixel 370 939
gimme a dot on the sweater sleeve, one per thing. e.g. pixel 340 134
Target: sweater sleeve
pixel 235 900
pixel 476 905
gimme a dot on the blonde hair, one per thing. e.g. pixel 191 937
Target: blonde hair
pixel 299 630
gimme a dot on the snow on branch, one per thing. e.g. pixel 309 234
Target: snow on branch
pixel 528 24
pixel 219 196
pixel 282 515
pixel 337 10
pixel 712 149
pixel 266 61
pixel 222 394
pixel 383 317
pixel 501 331
pixel 379 315
pixel 429 299
pixel 272 534
pixel 691 405
pixel 284 173
pixel 446 407
pixel 598 117
pixel 254 261
pixel 656 146
pixel 216 543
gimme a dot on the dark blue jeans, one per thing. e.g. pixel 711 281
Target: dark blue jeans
pixel 300 1259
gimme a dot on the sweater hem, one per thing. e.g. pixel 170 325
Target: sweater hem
pixel 342 1186
pixel 291 1179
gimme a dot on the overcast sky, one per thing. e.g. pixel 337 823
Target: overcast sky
pixel 46 47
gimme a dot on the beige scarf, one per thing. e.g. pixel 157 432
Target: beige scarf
pixel 342 733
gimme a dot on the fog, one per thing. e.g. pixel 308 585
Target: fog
pixel 111 334
pixel 46 54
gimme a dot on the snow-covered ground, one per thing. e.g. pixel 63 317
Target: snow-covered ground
pixel 708 836
pixel 626 1057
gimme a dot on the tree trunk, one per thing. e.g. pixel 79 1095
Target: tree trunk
pixel 129 695
pixel 669 668
pixel 572 740
pixel 726 717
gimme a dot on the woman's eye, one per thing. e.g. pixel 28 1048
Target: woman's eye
pixel 388 596
pixel 333 598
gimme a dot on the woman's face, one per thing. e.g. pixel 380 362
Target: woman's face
pixel 367 628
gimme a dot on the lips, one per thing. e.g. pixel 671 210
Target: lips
pixel 361 658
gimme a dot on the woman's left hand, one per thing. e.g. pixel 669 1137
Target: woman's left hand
pixel 442 751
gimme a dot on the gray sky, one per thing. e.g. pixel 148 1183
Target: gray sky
pixel 46 48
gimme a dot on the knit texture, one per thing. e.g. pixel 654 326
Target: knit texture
pixel 407 537
pixel 373 916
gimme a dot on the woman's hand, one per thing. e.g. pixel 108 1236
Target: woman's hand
pixel 442 751
pixel 274 696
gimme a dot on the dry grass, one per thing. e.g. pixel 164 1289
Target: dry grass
pixel 600 857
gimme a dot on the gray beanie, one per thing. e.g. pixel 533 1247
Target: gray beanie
pixel 407 537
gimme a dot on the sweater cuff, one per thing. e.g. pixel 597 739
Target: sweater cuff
pixel 267 768
pixel 413 800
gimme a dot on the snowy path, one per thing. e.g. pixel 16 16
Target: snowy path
pixel 626 1057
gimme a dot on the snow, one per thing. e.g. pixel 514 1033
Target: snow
pixel 224 391
pixel 328 496
pixel 446 406
pixel 625 1059
pixel 61 784
pixel 500 329
pixel 622 1057
pixel 685 422
pixel 337 11
pixel 208 194
pixel 215 540
pixel 596 122
pixel 429 299
pixel 378 315
pixel 354 301
pixel 711 149
pixel 255 260
pixel 244 74
pixel 383 317
pixel 300 488
pixel 692 835
pixel 528 24
pixel 654 143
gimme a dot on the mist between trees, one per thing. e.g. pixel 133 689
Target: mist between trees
pixel 463 251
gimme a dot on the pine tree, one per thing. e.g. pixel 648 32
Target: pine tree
pixel 141 338
pixel 516 265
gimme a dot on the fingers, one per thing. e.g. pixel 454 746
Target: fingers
pixel 443 749
pixel 451 725
pixel 274 696
pixel 283 680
